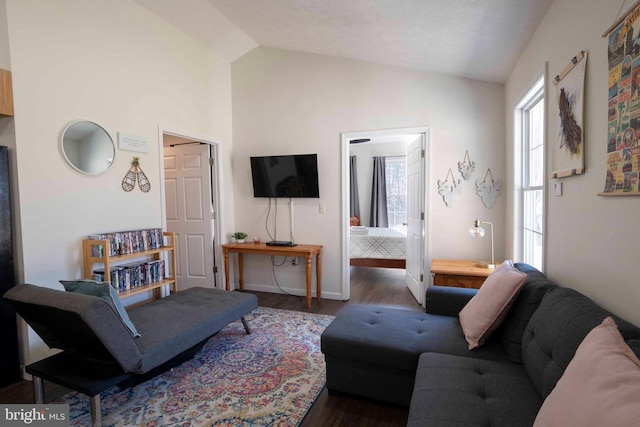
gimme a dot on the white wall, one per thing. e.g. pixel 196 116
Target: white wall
pixel 290 102
pixel 592 242
pixel 5 62
pixel 119 65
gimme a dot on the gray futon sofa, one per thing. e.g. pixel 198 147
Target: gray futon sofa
pixel 423 360
pixel 99 349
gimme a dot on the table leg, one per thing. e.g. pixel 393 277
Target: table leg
pixel 241 270
pixel 319 274
pixel 308 259
pixel 226 268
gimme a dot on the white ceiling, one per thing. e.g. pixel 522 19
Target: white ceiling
pixel 478 39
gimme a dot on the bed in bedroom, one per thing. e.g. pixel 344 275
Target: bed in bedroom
pixel 377 247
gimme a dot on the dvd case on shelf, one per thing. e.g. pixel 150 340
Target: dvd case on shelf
pixel 128 242
pixel 126 277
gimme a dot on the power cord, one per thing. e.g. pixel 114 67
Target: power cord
pixel 275 220
pixel 274 263
pixel 266 220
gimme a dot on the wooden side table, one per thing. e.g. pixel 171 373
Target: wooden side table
pixel 458 273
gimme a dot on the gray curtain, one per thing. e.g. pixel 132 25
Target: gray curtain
pixel 354 202
pixel 379 216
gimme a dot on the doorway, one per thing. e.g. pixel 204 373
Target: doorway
pixel 191 201
pixel 416 141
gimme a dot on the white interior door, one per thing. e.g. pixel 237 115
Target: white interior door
pixel 189 212
pixel 415 217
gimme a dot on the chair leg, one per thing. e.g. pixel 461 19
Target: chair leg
pixel 246 325
pixel 96 411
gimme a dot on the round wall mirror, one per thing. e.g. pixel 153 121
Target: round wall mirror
pixel 88 147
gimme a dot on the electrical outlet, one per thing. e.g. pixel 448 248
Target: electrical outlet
pixel 294 260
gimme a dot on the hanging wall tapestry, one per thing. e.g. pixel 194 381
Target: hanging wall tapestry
pixel 623 150
pixel 568 145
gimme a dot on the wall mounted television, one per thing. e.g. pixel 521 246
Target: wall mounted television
pixel 287 176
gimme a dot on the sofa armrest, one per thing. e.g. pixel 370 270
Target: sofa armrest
pixel 447 300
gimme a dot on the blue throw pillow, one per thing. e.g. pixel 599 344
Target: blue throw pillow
pixel 106 292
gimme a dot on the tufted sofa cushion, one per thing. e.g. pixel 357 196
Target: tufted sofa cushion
pixel 461 391
pixel 555 331
pixel 373 351
pixel 600 386
pixel 396 337
pixel 526 304
pixel 635 346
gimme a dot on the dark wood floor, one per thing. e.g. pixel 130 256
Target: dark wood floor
pixel 379 286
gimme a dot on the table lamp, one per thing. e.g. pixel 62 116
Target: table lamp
pixel 477 232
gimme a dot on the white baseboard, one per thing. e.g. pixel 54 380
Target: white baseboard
pixel 293 291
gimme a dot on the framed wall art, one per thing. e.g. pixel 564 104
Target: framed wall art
pixel 568 144
pixel 623 115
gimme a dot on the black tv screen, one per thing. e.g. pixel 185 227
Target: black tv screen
pixel 285 176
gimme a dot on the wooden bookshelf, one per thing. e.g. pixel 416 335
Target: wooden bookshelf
pixel 110 261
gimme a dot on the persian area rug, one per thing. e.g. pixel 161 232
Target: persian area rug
pixel 268 378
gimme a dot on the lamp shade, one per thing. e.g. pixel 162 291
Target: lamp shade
pixel 476 231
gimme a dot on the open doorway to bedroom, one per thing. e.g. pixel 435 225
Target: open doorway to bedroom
pixel 384 208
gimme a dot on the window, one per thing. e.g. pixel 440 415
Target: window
pixel 396 180
pixel 530 201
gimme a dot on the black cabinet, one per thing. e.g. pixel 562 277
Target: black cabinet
pixel 9 362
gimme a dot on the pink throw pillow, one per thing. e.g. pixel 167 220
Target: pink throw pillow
pixel 487 309
pixel 600 387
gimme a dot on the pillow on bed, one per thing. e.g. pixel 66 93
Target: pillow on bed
pixel 107 293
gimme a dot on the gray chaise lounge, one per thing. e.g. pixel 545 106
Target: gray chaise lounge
pixel 99 350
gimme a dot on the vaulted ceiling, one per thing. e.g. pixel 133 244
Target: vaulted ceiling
pixel 477 39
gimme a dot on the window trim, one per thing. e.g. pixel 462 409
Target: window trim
pixel 534 95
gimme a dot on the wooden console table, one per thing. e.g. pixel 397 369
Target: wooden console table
pixel 305 251
pixel 458 273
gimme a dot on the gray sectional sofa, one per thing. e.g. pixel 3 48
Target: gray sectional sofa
pixel 422 359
